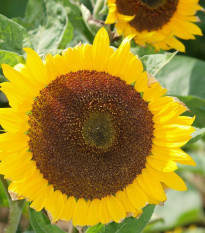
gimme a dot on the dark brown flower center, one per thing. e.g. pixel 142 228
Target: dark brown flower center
pixel 153 3
pixel 90 134
pixel 150 15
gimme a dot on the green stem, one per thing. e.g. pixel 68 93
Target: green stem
pixel 98 6
pixel 15 209
pixel 92 3
pixel 5 185
pixel 14 216
pixel 71 228
pixel 74 230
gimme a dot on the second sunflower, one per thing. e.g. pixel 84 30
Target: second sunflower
pixel 156 22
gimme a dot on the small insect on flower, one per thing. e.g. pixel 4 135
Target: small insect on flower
pixel 156 22
pixel 85 144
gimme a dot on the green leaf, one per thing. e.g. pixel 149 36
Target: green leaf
pixel 155 62
pixel 131 224
pixel 88 3
pixel 29 228
pixel 67 37
pixel 10 58
pixel 15 213
pixel 46 24
pixel 99 228
pixel 197 135
pixel 142 51
pixel 13 37
pixel 197 108
pixel 98 8
pixel 41 224
pixel 104 10
pixel 181 208
pixel 199 158
pixel 184 76
pixel 35 14
pixel 80 33
pixel 92 24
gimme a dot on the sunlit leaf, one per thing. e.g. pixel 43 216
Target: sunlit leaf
pixel 199 158
pixel 181 208
pixel 142 51
pixel 13 37
pixel 10 58
pixel 99 228
pixel 35 14
pixel 197 108
pixel 48 35
pixel 67 37
pixel 197 135
pixel 184 76
pixel 155 62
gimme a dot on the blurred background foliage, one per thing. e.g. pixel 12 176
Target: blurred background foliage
pixel 49 26
pixel 194 48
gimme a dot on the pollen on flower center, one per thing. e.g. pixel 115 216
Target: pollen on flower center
pixel 90 134
pixel 149 14
pixel 98 130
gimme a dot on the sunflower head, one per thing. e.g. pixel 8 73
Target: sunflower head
pixel 156 22
pixel 85 144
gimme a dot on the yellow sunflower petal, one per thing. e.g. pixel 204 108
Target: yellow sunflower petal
pixel 93 217
pixel 162 164
pixel 112 15
pixel 154 92
pixel 103 211
pixel 141 83
pixel 124 64
pixel 171 179
pixel 16 78
pixel 13 121
pixel 116 210
pixel 153 186
pixel 80 212
pixel 136 196
pixel 100 42
pixel 175 154
pixel 36 66
pixel 123 198
pixel 70 204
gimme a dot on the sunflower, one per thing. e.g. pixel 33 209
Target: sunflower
pixel 156 22
pixel 89 137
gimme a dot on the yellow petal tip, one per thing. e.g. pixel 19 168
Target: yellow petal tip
pixel 102 33
pixel 4 66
